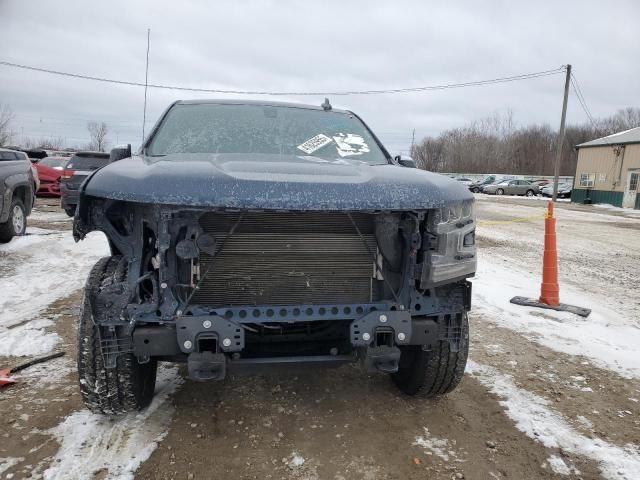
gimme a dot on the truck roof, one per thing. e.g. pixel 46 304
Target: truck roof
pixel 266 103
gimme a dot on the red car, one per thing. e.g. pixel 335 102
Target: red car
pixel 49 172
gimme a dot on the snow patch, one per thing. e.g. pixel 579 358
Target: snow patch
pixel 28 339
pixel 437 446
pixel 558 465
pixel 606 337
pixel 7 462
pixel 91 443
pixel 584 421
pixel 629 211
pixel 533 416
pixel 50 266
pixel 296 460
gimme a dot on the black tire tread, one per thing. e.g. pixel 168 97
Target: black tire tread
pixel 127 387
pixel 435 372
pixel 6 229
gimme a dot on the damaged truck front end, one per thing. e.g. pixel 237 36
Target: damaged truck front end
pixel 229 289
pixel 223 289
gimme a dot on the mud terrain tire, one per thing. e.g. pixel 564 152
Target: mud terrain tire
pixel 435 372
pixel 129 386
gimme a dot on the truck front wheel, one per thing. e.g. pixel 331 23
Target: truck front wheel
pixel 16 224
pixel 127 387
pixel 430 373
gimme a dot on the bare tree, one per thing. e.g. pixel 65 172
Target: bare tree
pixel 49 143
pixel 98 133
pixel 496 145
pixel 6 116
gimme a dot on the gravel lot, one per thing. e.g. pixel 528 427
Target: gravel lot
pixel 546 395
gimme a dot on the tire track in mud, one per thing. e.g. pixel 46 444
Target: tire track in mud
pixel 344 425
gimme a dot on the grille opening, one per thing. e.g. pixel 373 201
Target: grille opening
pixel 207 344
pixel 384 338
pixel 276 339
pixel 288 258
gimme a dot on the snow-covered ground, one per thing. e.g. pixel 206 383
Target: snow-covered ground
pixel 611 208
pixel 535 417
pixel 35 271
pixel 599 263
pixel 92 443
pixel 608 337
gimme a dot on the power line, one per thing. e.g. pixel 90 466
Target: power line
pixel 581 100
pixel 514 78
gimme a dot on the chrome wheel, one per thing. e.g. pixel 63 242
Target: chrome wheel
pixel 18 220
pixel 499 191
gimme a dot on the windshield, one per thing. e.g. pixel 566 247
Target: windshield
pixel 265 129
pixel 53 162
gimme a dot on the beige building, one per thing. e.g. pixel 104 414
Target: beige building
pixel 608 170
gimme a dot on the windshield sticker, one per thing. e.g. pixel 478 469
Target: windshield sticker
pixel 350 144
pixel 315 143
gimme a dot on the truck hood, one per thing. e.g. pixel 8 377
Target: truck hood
pixel 265 181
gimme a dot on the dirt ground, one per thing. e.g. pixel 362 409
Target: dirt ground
pixel 343 424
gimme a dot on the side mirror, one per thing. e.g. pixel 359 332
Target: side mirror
pixel 405 161
pixel 120 152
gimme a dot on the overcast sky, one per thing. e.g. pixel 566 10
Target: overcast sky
pixel 311 46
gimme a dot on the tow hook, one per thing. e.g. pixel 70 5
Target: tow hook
pixel 207 366
pixel 382 358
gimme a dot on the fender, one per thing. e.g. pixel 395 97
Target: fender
pixel 12 182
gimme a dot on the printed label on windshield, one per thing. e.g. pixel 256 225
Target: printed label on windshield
pixel 350 144
pixel 315 143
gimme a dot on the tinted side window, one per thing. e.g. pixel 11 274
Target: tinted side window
pixel 87 163
pixel 8 156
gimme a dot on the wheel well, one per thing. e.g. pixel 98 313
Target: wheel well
pixel 21 193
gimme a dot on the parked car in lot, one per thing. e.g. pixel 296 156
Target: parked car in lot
pixel 511 187
pixel 79 166
pixel 57 163
pixel 49 177
pixel 251 233
pixel 17 190
pixel 464 181
pixel 478 186
pixel 564 190
pixel 539 184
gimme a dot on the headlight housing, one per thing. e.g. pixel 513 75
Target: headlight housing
pixel 451 252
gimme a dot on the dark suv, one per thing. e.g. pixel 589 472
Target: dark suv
pixel 247 234
pixel 79 166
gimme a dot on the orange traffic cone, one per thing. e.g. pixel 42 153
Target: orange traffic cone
pixel 549 290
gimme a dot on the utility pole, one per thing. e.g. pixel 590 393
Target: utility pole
pixel 413 139
pixel 556 168
pixel 146 82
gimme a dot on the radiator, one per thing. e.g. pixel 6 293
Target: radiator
pixel 288 259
